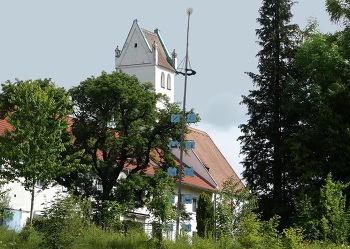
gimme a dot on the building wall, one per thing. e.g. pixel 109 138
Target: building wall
pixel 190 209
pixel 151 73
pixel 20 201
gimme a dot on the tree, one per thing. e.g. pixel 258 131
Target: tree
pixel 64 220
pixel 160 205
pixel 205 216
pixel 31 150
pixel 4 201
pixel 339 10
pixel 266 157
pixel 321 98
pixel 326 218
pixel 233 205
pixel 118 125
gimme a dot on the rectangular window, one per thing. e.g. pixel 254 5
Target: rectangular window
pixel 194 205
pixel 39 183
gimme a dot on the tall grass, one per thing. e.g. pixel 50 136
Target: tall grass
pixel 94 238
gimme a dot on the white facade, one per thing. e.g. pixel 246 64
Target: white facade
pixel 20 202
pixel 142 215
pixel 145 55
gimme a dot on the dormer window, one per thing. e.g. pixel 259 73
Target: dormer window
pixel 135 45
pixel 162 80
pixel 168 82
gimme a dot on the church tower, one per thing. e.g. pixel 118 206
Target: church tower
pixel 146 56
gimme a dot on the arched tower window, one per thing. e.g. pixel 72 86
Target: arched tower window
pixel 168 82
pixel 162 80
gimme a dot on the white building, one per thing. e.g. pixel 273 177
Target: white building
pixel 145 55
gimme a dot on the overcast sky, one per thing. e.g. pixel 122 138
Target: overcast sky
pixel 70 41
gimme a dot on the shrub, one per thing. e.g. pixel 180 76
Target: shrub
pixel 205 216
pixel 293 238
pixel 64 221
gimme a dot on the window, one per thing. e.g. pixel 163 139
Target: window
pixel 168 82
pixel 162 80
pixel 169 229
pixel 194 205
pixel 39 183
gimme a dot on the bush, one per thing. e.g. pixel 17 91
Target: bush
pixel 64 221
pixel 293 238
pixel 205 216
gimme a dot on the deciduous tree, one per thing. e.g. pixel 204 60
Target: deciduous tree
pixel 32 149
pixel 233 204
pixel 117 123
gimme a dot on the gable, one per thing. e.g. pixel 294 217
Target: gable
pixel 163 54
pixel 136 50
pixel 190 159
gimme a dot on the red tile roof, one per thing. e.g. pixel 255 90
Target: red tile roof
pixel 196 181
pixel 4 125
pixel 211 157
pixel 152 37
pixel 206 151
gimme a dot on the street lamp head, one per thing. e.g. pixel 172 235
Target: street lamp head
pixel 189 11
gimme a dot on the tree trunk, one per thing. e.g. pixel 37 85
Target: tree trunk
pixel 32 205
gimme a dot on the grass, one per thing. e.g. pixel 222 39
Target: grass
pixel 94 237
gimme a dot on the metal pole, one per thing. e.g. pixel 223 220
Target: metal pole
pixel 189 12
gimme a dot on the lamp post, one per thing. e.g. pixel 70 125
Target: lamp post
pixel 189 12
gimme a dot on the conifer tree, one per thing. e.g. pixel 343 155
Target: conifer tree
pixel 205 216
pixel 265 162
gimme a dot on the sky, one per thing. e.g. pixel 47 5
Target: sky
pixel 69 41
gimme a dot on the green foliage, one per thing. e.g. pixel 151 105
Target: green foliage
pixel 93 237
pixel 254 233
pixel 293 238
pixel 320 144
pixel 327 219
pixel 118 125
pixel 160 205
pixel 205 216
pixel 307 217
pixel 234 203
pixel 4 201
pixel 338 10
pixel 27 239
pixel 248 235
pixel 132 226
pixel 267 168
pixel 65 219
pixel 335 222
pixel 320 98
pixel 31 150
pixel 270 233
pixel 112 212
pixel 131 192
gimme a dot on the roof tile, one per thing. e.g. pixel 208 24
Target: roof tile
pixel 152 37
pixel 211 157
